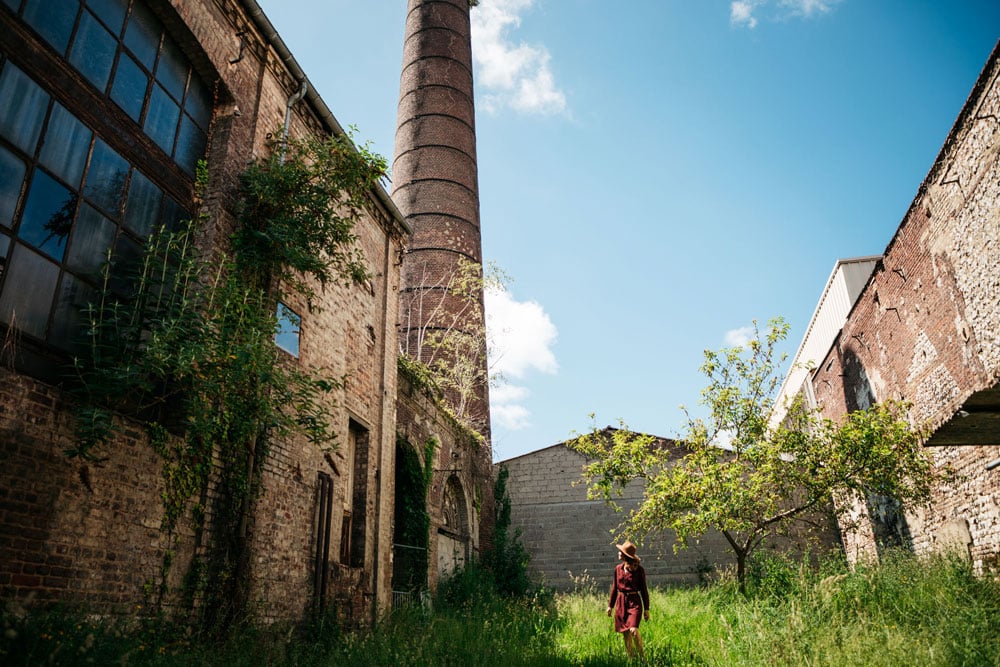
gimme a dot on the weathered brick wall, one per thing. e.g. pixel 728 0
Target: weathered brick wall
pixel 569 537
pixel 90 532
pixel 927 327
pixel 419 419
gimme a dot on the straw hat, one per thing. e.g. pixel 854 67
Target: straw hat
pixel 628 550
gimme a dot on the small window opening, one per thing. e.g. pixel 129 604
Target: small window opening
pixel 358 441
pixel 289 329
pixel 345 539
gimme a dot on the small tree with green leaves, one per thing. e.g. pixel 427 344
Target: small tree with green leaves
pixel 746 478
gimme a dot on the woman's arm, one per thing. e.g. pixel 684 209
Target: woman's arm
pixel 643 591
pixel 614 591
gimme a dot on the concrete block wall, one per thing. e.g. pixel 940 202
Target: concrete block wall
pixel 571 539
pixel 927 328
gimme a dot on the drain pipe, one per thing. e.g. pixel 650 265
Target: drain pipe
pixel 292 101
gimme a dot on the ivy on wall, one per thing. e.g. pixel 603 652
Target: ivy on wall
pixel 413 522
pixel 184 342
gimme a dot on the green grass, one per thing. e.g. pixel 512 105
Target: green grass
pixel 932 612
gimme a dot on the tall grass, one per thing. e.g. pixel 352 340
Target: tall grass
pixel 907 611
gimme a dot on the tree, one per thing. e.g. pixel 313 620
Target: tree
pixel 746 478
pixel 507 560
pixel 450 337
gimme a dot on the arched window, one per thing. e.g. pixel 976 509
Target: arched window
pixel 454 517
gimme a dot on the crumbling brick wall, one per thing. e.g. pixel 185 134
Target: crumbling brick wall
pixel 927 329
pixel 459 457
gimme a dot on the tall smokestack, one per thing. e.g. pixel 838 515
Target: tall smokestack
pixel 435 177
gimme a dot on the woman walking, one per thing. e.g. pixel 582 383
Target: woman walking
pixel 629 598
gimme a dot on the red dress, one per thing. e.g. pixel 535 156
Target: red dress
pixel 629 597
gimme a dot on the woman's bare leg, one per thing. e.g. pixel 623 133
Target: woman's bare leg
pixel 637 642
pixel 629 648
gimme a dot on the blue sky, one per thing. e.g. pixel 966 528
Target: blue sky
pixel 655 179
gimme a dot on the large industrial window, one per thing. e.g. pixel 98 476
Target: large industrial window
pixel 69 196
pixel 121 48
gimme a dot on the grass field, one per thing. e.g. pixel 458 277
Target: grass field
pixel 904 612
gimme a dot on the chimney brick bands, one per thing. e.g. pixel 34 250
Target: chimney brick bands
pixel 434 173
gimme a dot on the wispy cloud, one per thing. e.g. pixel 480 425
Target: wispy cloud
pixel 522 336
pixel 741 13
pixel 738 337
pixel 807 8
pixel 511 75
pixel 744 13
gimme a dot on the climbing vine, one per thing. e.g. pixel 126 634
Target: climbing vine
pixel 413 522
pixel 423 379
pixel 184 343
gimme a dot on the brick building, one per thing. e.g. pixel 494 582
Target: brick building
pixel 107 106
pixel 436 186
pixel 926 328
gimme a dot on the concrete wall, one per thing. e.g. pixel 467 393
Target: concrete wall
pixel 927 329
pixel 571 539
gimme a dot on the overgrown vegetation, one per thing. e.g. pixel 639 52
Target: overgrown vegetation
pixel 932 612
pixel 412 521
pixel 747 478
pixel 420 376
pixel 507 560
pixel 183 342
pixel 446 334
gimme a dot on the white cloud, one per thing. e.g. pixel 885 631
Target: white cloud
pixel 511 75
pixel 739 337
pixel 741 14
pixel 508 393
pixel 522 333
pixel 521 339
pixel 744 13
pixel 808 7
pixel 510 417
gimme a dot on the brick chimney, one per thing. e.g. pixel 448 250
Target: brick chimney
pixel 434 173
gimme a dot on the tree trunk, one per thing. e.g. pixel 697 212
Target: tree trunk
pixel 741 570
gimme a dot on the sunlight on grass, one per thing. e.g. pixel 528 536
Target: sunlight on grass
pixel 931 612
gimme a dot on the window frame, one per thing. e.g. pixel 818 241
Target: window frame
pixel 57 76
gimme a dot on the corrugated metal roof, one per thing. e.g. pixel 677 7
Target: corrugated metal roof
pixel 847 280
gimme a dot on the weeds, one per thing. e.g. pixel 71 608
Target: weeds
pixel 907 611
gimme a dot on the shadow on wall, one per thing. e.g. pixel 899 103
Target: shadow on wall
pixel 888 520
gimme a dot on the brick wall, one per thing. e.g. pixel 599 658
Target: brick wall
pixel 457 456
pixel 90 532
pixel 927 329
